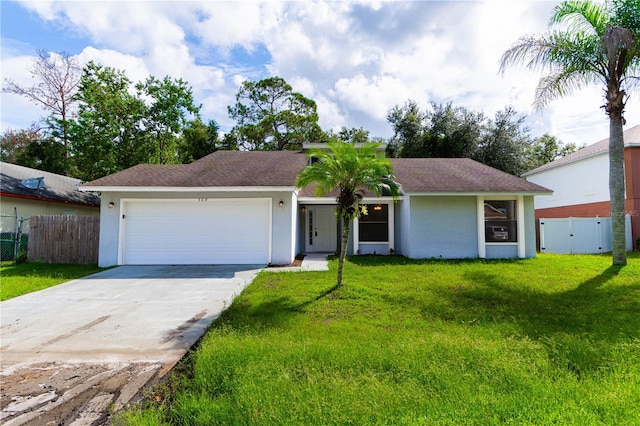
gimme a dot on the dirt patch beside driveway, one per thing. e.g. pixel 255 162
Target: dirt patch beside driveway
pixel 73 353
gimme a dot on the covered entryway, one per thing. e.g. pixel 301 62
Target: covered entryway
pixel 321 229
pixel 196 231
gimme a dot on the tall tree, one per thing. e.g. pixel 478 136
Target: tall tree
pixel 43 154
pixel 350 169
pixel 271 116
pixel 107 135
pixel 504 143
pixel 170 109
pixel 408 123
pixel 545 149
pixel 57 76
pixel 590 42
pixel 199 139
pixel 14 142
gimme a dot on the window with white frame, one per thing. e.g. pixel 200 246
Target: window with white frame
pixel 374 226
pixel 501 221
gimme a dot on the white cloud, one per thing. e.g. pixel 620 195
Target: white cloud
pixel 355 59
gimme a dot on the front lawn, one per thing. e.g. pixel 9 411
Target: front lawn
pixel 23 278
pixel 551 340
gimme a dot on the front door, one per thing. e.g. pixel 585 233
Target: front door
pixel 321 229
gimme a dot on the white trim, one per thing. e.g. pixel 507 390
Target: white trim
pixel 520 227
pixel 493 195
pixel 186 189
pixel 482 247
pixel 390 224
pixel 332 200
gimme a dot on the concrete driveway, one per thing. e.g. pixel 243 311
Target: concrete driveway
pixel 129 315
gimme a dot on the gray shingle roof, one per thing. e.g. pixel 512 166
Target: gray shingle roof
pixel 631 136
pixel 57 188
pixel 219 169
pixel 280 168
pixel 446 175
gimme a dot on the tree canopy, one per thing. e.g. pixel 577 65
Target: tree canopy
pixel 449 131
pixel 56 77
pixel 270 116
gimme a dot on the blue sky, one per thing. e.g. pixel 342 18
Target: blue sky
pixel 356 59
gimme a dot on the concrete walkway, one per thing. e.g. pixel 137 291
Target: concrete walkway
pixel 311 262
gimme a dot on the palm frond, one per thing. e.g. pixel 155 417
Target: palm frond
pixel 560 84
pixel 581 16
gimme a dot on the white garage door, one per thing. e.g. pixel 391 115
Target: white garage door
pixel 206 231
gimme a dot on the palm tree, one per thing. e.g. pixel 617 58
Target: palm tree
pixel 599 43
pixel 350 169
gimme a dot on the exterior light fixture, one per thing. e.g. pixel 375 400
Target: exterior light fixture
pixel 281 203
pixel 111 205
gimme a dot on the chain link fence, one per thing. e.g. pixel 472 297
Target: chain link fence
pixel 14 236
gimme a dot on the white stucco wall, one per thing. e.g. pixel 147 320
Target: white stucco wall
pixel 284 220
pixel 581 182
pixel 442 226
pixel 446 226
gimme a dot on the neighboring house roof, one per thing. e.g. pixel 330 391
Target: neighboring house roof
pixel 631 138
pixel 57 188
pixel 280 169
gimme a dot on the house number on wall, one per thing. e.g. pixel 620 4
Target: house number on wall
pixel 202 200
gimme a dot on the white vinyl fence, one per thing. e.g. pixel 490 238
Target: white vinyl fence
pixel 579 235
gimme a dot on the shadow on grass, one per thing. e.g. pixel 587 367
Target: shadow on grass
pixel 579 327
pixel 483 296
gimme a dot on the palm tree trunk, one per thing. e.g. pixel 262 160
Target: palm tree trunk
pixel 346 225
pixel 617 188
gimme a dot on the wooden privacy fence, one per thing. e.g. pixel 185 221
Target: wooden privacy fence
pixel 64 239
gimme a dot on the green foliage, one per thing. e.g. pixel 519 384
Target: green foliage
pixel 503 145
pixel 107 135
pixel 44 154
pixel 167 114
pixel 350 135
pixel 445 131
pixel 118 128
pixel 198 140
pixel 545 149
pixel 56 77
pixel 23 278
pixel 350 169
pixel 551 340
pixel 271 116
pixel 14 142
pixel 457 132
pixel 590 42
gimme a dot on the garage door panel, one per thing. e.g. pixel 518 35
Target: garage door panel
pixel 187 232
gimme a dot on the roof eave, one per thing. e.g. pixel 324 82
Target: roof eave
pixel 188 189
pixel 477 193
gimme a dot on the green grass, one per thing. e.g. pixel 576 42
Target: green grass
pixel 551 340
pixel 23 278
